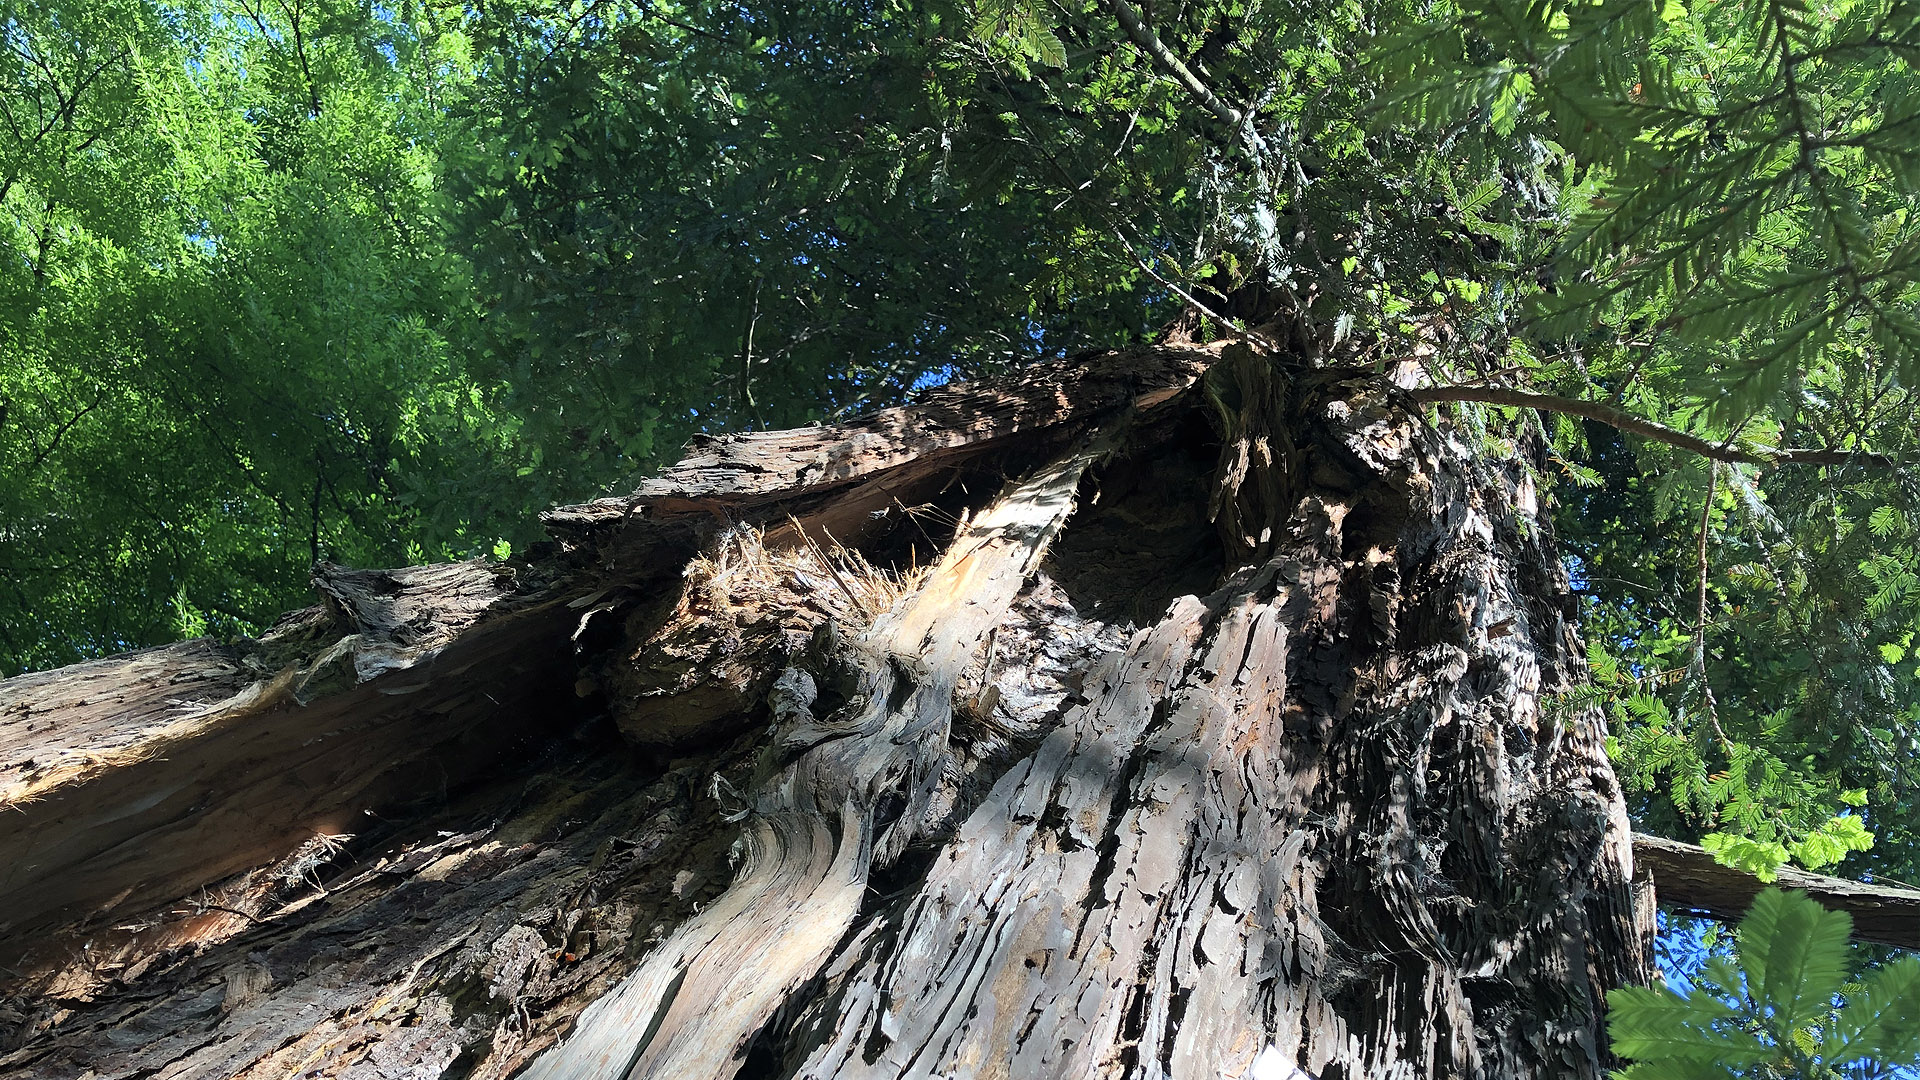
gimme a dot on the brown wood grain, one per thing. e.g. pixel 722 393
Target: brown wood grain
pixel 1686 876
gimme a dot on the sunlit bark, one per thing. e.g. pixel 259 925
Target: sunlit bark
pixel 1114 720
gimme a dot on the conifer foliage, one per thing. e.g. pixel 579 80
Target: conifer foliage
pixel 1783 1005
pixel 284 281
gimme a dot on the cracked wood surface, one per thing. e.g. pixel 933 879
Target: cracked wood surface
pixel 128 782
pixel 814 824
pixel 1310 801
pixel 1320 809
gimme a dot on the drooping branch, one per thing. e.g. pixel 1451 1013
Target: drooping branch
pixel 1639 425
pixel 1238 121
pixel 1686 876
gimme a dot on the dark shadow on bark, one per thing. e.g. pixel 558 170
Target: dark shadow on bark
pixel 1141 536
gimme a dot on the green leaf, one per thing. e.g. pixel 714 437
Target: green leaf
pixel 1761 858
pixel 1794 953
pixel 1827 845
pixel 1881 1023
pixel 1660 1025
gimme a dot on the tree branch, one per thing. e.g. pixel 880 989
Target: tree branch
pixel 1686 876
pixel 300 53
pixel 1626 421
pixel 1149 42
pixel 60 432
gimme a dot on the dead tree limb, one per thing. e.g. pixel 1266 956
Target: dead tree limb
pixel 1686 876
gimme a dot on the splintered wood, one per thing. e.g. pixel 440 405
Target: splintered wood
pixel 705 663
pixel 693 1004
pixel 138 779
pixel 1258 831
pixel 128 784
pixel 1263 764
pixel 1321 811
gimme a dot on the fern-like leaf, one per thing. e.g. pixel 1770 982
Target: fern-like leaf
pixel 1882 1024
pixel 1795 955
pixel 1660 1025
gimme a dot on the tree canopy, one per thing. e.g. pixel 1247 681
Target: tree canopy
pixel 294 280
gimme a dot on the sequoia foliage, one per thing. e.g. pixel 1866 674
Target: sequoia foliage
pixel 1782 1003
pixel 293 280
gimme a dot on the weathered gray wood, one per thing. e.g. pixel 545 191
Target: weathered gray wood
pixel 132 781
pixel 1320 810
pixel 135 780
pixel 1686 876
pixel 1313 804
pixel 693 1005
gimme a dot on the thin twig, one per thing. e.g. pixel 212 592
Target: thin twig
pixel 1626 421
pixel 1149 42
pixel 1698 668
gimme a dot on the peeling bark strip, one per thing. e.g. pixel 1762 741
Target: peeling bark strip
pixel 1324 797
pixel 815 827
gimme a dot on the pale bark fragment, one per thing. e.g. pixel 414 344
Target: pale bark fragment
pixel 695 1002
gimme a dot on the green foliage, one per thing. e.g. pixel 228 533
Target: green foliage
pixel 1747 169
pixel 299 279
pixel 846 195
pixel 1789 711
pixel 1786 1009
pixel 1738 262
pixel 228 326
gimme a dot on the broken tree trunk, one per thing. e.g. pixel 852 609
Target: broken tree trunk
pixel 1122 719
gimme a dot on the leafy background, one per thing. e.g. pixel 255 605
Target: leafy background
pixel 1779 997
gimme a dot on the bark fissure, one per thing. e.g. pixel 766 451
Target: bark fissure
pixel 713 986
pixel 1133 874
pixel 1254 756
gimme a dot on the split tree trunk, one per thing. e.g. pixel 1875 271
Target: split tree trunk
pixel 1127 718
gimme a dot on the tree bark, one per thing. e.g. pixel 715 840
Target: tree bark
pixel 1127 718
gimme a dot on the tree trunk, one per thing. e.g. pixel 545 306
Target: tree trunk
pixel 1127 718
